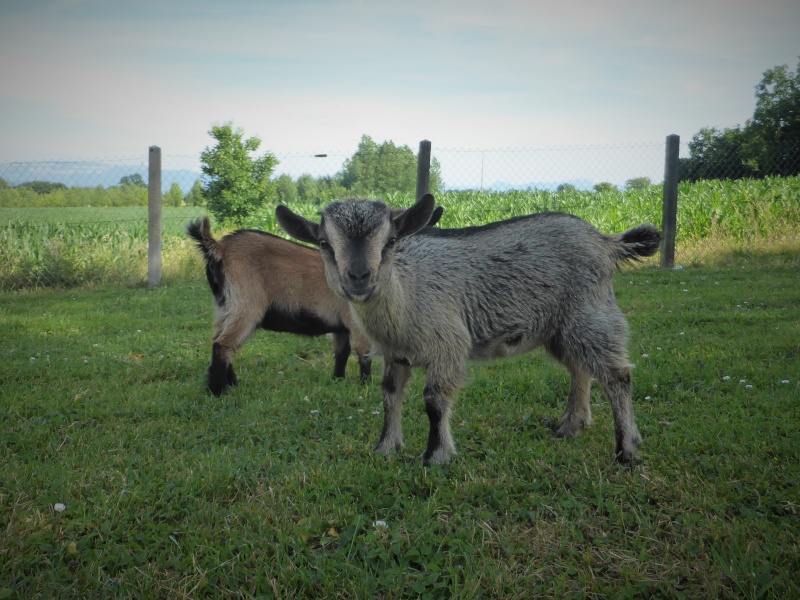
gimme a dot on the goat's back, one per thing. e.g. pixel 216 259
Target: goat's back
pixel 526 274
pixel 553 244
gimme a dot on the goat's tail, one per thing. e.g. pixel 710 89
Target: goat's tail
pixel 200 232
pixel 637 242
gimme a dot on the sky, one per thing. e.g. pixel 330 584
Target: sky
pixel 85 79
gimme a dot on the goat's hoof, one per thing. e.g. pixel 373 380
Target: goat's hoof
pixel 569 429
pixel 628 459
pixel 384 447
pixel 439 456
pixel 217 390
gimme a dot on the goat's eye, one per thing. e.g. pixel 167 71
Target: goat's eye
pixel 323 245
pixel 391 242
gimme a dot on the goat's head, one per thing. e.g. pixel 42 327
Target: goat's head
pixel 356 239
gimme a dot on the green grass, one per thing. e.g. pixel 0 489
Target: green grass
pixel 171 493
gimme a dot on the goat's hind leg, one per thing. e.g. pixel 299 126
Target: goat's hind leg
pixel 617 385
pixel 221 375
pixel 578 413
pixel 396 374
pixel 231 334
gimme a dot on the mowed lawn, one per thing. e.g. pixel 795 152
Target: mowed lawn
pixel 121 478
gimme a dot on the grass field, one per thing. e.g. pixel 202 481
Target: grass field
pixel 121 478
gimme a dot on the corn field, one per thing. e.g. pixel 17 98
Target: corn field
pixel 46 248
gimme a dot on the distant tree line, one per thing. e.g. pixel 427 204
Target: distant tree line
pixel 239 183
pixel 131 191
pixel 767 144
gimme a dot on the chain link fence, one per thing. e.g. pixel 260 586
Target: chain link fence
pixel 84 222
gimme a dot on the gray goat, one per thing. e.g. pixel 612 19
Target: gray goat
pixel 441 297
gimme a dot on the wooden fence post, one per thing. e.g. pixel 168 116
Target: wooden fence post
pixel 154 218
pixel 423 169
pixel 669 212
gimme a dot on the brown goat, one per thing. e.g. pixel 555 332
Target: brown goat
pixel 261 280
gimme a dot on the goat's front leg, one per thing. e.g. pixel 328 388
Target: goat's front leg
pixel 396 374
pixel 438 398
pixel 341 352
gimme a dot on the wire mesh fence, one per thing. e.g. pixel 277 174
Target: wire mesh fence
pixel 76 222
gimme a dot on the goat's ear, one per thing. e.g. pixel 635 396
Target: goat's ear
pixel 415 218
pixel 296 226
pixel 437 214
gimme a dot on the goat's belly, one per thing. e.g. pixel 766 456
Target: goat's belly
pixel 508 344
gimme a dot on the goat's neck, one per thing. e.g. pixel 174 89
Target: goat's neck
pixel 383 316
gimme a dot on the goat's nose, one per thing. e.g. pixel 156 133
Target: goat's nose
pixel 358 273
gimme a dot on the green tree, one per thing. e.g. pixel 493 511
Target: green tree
pixel 133 179
pixel 435 182
pixel 566 187
pixel 4 184
pixel 717 154
pixel 307 187
pixel 238 183
pixel 285 189
pixel 195 197
pixel 379 169
pixel 773 144
pixel 768 144
pixel 605 186
pixel 638 183
pixel 330 188
pixel 42 187
pixel 174 196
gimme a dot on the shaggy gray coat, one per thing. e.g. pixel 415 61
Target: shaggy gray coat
pixel 441 297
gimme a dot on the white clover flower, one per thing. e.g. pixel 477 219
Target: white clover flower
pixel 59 507
pixel 645 356
pixel 743 381
pixel 380 524
pixel 784 381
pixel 749 387
pixel 726 378
pixel 647 397
pixel 315 412
pixel 376 412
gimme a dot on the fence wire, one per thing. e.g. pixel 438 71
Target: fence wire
pixel 84 222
